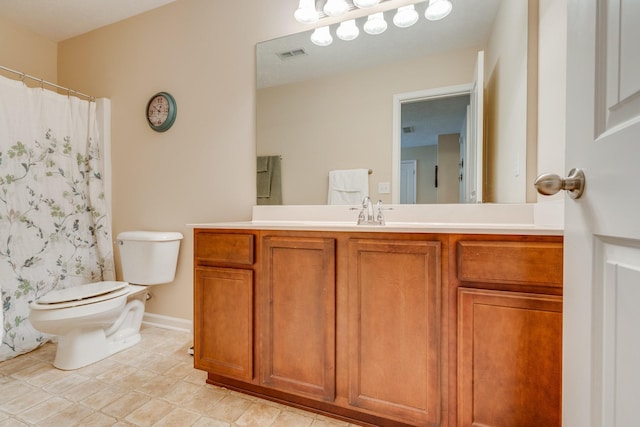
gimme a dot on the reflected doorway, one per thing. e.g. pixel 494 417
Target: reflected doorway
pixel 434 140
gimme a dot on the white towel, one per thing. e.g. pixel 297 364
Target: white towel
pixel 348 187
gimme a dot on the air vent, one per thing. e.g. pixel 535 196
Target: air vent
pixel 408 129
pixel 290 54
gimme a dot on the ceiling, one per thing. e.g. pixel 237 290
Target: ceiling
pixel 430 118
pixel 58 20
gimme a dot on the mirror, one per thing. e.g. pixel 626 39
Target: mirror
pixel 320 109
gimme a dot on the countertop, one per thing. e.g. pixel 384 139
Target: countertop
pixel 522 219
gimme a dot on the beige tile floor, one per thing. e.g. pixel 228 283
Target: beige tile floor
pixel 150 384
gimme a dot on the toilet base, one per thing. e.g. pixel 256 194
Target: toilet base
pixel 125 339
pixel 82 347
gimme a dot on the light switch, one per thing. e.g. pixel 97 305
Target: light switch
pixel 384 187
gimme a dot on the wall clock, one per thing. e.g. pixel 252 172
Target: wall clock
pixel 161 111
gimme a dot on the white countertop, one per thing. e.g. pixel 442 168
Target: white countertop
pixel 531 219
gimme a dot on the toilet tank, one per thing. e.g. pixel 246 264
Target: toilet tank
pixel 149 257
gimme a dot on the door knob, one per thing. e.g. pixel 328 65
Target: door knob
pixel 550 183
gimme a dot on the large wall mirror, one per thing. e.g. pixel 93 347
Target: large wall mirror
pixel 389 103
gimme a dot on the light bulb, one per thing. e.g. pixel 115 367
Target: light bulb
pixel 347 30
pixel 375 24
pixel 363 4
pixel 321 36
pixel 438 9
pixel 406 16
pixel 306 12
pixel 336 7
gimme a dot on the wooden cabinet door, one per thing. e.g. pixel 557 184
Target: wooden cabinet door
pixel 223 321
pixel 394 329
pixel 509 359
pixel 298 319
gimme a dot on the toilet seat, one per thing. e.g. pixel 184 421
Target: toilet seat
pixel 81 295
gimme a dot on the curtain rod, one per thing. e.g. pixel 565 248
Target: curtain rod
pixel 44 82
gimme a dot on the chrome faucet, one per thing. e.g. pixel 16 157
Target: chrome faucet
pixel 379 216
pixel 367 216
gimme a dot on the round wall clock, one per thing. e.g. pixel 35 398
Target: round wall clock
pixel 161 111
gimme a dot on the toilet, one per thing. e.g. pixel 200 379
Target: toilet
pixel 96 320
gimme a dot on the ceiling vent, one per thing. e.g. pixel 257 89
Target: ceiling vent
pixel 290 54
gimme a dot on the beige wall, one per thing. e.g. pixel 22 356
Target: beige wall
pixel 28 53
pixel 552 82
pixel 506 105
pixel 537 116
pixel 203 168
pixel 315 131
pixel 448 168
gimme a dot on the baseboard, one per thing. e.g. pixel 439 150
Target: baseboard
pixel 166 322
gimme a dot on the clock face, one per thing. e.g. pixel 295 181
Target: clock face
pixel 161 111
pixel 158 110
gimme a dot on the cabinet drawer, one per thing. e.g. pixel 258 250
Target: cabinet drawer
pixel 224 248
pixel 519 263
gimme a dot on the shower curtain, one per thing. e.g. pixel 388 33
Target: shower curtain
pixel 55 231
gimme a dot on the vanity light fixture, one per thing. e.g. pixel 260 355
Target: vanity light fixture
pixel 336 7
pixel 375 24
pixel 306 12
pixel 406 16
pixel 321 36
pixel 348 30
pixel 438 9
pixel 363 4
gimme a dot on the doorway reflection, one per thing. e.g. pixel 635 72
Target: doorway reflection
pixel 433 149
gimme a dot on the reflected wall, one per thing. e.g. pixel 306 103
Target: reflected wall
pixel 345 121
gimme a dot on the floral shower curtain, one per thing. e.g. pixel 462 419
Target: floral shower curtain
pixel 54 229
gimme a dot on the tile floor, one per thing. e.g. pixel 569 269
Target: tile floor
pixel 150 384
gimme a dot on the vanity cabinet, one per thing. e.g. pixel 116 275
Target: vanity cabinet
pixel 224 303
pixel 394 328
pixel 509 333
pixel 384 328
pixel 298 315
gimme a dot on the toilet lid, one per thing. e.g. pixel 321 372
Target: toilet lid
pixel 77 303
pixel 83 292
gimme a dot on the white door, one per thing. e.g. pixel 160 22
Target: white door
pixel 464 191
pixel 408 181
pixel 475 160
pixel 601 361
